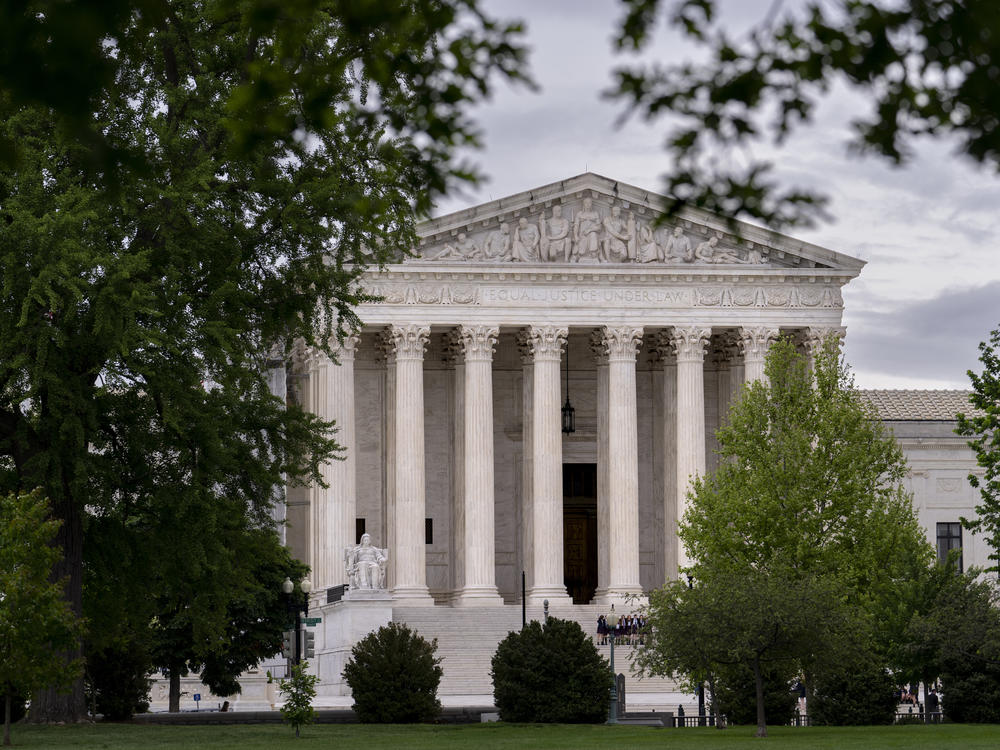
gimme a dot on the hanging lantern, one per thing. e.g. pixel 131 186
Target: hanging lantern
pixel 568 412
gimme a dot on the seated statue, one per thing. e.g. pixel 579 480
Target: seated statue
pixel 365 565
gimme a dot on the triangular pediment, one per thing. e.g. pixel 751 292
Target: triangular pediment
pixel 593 220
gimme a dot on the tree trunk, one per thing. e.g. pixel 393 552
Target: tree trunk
pixel 714 706
pixel 759 681
pixel 174 705
pixel 51 704
pixel 6 719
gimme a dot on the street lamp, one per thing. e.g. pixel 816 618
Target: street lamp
pixel 287 587
pixel 613 708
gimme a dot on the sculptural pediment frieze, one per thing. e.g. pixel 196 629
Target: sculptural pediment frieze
pixel 591 227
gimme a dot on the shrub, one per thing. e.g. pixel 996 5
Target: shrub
pixel 118 681
pixel 394 677
pixel 736 695
pixel 551 673
pixel 971 696
pixel 853 694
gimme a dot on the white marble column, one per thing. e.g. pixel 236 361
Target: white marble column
pixel 621 345
pixel 314 402
pixel 410 551
pixel 336 503
pixel 277 384
pixel 689 344
pixel 603 497
pixel 455 359
pixel 546 344
pixel 667 428
pixel 755 343
pixel 479 587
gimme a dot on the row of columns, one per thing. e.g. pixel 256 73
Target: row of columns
pixel 331 395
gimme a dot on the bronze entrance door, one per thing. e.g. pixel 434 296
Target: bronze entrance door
pixel 580 531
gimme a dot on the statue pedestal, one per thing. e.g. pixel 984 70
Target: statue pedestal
pixel 345 623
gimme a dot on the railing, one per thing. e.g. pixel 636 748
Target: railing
pixel 919 717
pixel 696 720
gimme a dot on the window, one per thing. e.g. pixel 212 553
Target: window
pixel 359 529
pixel 949 537
pixel 429 531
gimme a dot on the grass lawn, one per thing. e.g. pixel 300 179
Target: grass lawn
pixel 515 737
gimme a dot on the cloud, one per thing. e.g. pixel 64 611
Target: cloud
pixel 935 340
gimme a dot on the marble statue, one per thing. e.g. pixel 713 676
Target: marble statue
pixel 463 249
pixel 710 252
pixel 648 250
pixel 365 565
pixel 526 237
pixel 554 244
pixel 498 243
pixel 619 237
pixel 586 232
pixel 678 247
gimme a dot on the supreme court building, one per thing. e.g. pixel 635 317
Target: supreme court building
pixel 533 391
pixel 450 399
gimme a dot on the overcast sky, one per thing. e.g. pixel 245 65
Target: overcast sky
pixel 931 290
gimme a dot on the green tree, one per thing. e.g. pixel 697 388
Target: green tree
pixel 807 498
pixel 300 691
pixel 394 677
pixel 262 156
pixel 927 67
pixel 551 673
pixel 958 638
pixel 983 426
pixel 36 625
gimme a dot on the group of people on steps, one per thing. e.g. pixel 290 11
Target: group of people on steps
pixel 628 632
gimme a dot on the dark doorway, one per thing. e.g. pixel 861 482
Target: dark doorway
pixel 580 531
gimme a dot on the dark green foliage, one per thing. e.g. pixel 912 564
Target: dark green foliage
pixel 971 696
pixel 984 429
pixel 736 694
pixel 551 673
pixel 394 677
pixel 760 87
pixel 210 195
pixel 118 680
pixel 17 707
pixel 852 693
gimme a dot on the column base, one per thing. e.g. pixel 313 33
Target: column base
pixel 411 596
pixel 477 596
pixel 556 595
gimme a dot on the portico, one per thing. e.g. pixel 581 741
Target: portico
pixel 448 400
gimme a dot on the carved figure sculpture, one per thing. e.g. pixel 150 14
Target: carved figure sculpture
pixel 710 252
pixel 463 249
pixel 586 231
pixel 526 236
pixel 365 565
pixel 649 251
pixel 554 244
pixel 619 236
pixel 498 243
pixel 679 247
pixel 705 252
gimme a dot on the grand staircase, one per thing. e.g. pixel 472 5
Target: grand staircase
pixel 468 636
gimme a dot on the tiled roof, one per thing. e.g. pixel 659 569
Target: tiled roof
pixel 914 405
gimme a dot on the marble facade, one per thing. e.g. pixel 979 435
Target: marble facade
pixel 449 398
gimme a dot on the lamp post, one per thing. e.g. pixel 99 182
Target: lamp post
pixel 613 708
pixel 287 588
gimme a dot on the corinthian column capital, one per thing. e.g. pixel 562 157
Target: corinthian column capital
pixel 545 343
pixel 690 343
pixel 345 348
pixel 478 342
pixel 815 336
pixel 756 341
pixel 621 342
pixel 407 342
